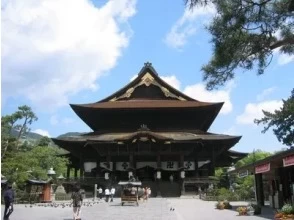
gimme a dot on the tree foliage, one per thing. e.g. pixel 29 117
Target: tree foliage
pixel 18 121
pixel 38 161
pixel 244 35
pixel 18 158
pixel 252 158
pixel 282 120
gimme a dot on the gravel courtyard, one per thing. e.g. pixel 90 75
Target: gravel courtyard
pixel 154 209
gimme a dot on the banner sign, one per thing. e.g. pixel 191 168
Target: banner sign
pixel 263 168
pixel 122 166
pixel 243 174
pixel 288 161
pixel 146 164
pixel 105 165
pixel 189 165
pixel 88 166
pixel 169 165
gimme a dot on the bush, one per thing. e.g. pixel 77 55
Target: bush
pixel 223 205
pixel 287 209
pixel 257 209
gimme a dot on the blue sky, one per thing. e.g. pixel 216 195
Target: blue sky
pixel 60 52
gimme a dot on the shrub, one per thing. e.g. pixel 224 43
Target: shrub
pixel 287 209
pixel 257 209
pixel 242 210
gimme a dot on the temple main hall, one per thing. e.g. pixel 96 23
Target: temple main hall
pixel 153 132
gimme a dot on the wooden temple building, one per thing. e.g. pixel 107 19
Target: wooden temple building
pixel 153 132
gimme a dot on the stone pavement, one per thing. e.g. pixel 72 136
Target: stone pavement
pixel 191 209
pixel 154 209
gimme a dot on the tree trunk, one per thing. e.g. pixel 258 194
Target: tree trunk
pixel 20 133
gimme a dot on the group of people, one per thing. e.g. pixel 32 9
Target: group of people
pixel 108 192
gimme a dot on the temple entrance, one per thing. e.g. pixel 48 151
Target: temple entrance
pixel 146 173
pixel 166 175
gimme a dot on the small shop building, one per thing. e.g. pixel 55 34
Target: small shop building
pixel 274 178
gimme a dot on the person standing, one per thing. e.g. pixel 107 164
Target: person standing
pixel 112 192
pixel 8 201
pixel 100 192
pixel 77 203
pixel 107 193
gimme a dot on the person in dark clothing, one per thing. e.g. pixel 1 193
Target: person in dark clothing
pixel 77 200
pixel 8 201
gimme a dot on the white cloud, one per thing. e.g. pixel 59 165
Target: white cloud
pixel 42 132
pixel 254 111
pixel 187 25
pixel 172 80
pixel 52 49
pixel 199 92
pixel 284 59
pixel 265 93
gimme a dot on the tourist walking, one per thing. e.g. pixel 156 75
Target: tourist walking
pixel 100 193
pixel 148 192
pixel 8 201
pixel 77 200
pixel 112 192
pixel 107 193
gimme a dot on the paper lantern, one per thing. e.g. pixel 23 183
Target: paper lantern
pixel 106 176
pixel 182 174
pixel 158 175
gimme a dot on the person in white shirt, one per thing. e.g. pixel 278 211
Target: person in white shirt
pixel 112 192
pixel 107 193
pixel 100 192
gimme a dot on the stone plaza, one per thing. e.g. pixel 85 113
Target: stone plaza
pixel 153 209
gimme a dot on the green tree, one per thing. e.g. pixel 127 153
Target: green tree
pixel 38 161
pixel 282 120
pixel 18 121
pixel 252 158
pixel 44 141
pixel 244 35
pixel 28 117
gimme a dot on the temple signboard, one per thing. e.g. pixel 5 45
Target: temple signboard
pixel 169 165
pixel 243 174
pixel 263 168
pixel 288 161
pixel 189 165
pixel 106 165
pixel 122 166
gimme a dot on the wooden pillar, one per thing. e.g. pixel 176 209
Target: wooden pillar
pixel 98 168
pixel 181 160
pixel 158 161
pixel 76 172
pixel 81 167
pixel 68 172
pixel 212 163
pixel 259 189
pixel 196 165
pixel 158 165
pixel 131 160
